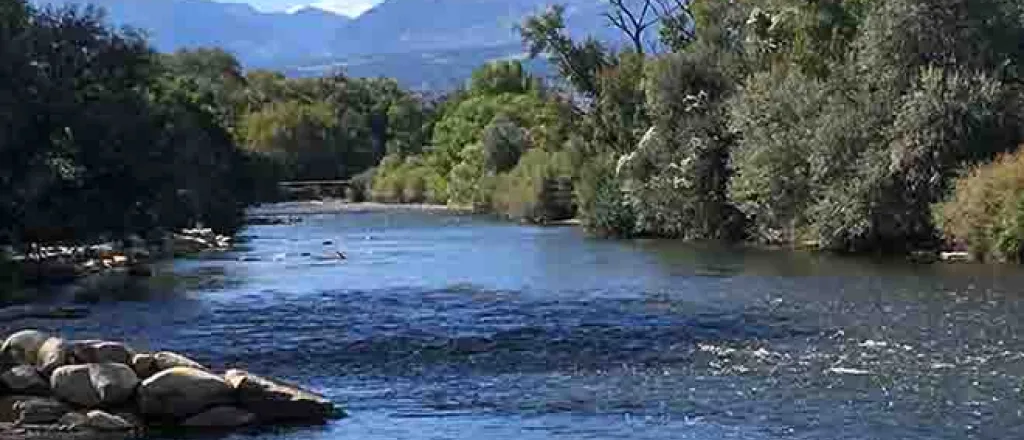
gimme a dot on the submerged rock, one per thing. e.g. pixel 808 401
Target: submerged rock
pixel 275 401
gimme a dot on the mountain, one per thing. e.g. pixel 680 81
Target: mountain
pixel 258 39
pixel 421 42
pixel 417 25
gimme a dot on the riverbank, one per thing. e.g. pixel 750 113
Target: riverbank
pixel 92 268
pixel 329 206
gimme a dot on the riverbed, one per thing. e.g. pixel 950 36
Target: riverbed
pixel 447 326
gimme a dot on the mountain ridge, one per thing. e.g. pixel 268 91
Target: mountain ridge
pixel 310 36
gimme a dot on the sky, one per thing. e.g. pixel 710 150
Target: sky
pixel 351 8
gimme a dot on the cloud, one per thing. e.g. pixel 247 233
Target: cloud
pixel 350 8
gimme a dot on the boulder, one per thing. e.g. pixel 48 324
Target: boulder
pixel 24 379
pixel 180 392
pixel 103 421
pixel 31 409
pixel 73 419
pixel 114 382
pixel 220 417
pixel 93 385
pixel 273 400
pixel 53 354
pixel 144 365
pixel 23 347
pixel 98 420
pixel 101 352
pixel 73 384
pixel 167 360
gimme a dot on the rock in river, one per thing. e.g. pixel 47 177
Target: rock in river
pixel 31 409
pixel 93 385
pixel 220 417
pixel 100 352
pixel 23 347
pixel 167 360
pixel 24 379
pixel 275 401
pixel 182 392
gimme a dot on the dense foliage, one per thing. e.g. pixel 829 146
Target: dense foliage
pixel 842 124
pixel 986 212
pixel 99 139
pixel 838 123
pixel 102 138
pixel 497 146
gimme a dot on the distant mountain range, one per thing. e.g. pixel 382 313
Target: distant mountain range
pixel 425 43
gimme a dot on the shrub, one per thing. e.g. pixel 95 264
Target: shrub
pixel 986 211
pixel 603 208
pixel 503 144
pixel 466 183
pixel 360 186
pixel 537 190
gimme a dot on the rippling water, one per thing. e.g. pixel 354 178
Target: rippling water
pixel 439 326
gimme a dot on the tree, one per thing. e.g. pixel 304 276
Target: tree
pixel 632 19
pixel 503 143
pixel 499 77
pixel 578 63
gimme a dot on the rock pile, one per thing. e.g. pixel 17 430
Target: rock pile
pixel 56 388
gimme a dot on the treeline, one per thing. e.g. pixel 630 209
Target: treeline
pixel 99 139
pixel 842 125
pixel 102 138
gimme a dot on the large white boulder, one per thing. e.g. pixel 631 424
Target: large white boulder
pixel 167 360
pixel 21 348
pixel 181 392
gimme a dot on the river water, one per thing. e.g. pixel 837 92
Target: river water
pixel 440 326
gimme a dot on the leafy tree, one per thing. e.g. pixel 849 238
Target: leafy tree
pixel 500 77
pixel 577 63
pixel 503 143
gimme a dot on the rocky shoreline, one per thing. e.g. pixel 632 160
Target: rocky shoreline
pixel 63 265
pixel 59 389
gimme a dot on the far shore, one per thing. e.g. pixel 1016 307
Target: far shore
pixel 340 205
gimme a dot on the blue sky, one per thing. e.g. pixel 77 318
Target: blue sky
pixel 347 7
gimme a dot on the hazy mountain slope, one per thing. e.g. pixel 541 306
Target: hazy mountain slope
pixel 428 43
pixel 257 38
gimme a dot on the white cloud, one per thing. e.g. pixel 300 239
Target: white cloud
pixel 350 8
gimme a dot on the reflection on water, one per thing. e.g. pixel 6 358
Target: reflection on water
pixel 439 326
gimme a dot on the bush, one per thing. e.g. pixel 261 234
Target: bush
pixel 503 143
pixel 537 190
pixel 360 186
pixel 466 182
pixel 603 208
pixel 406 181
pixel 986 211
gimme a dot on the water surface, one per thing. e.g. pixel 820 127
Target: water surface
pixel 451 327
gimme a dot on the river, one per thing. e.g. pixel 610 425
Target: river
pixel 440 326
